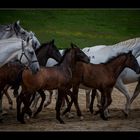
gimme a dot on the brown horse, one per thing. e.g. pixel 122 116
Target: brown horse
pixel 9 75
pixel 50 78
pixel 102 77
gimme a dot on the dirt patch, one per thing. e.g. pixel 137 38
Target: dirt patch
pixel 46 120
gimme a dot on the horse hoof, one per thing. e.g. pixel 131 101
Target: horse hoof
pixel 28 117
pixel 62 122
pixel 4 113
pixel 69 115
pixel 99 106
pixel 81 118
pixel 96 112
pixel 34 116
pixel 1 119
pixel 91 111
pixel 10 108
pixel 22 122
pixel 125 114
pixel 104 118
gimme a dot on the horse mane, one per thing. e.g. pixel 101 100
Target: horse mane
pixel 63 55
pixel 131 43
pixel 41 46
pixel 114 57
pixel 10 41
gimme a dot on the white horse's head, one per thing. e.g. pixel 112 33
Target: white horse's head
pixel 28 56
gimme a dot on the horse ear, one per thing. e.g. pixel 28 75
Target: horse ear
pixel 31 34
pixel 72 45
pixel 8 28
pixel 28 38
pixel 130 52
pixel 18 22
pixel 52 42
pixel 17 26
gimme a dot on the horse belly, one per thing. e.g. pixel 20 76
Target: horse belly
pixel 130 77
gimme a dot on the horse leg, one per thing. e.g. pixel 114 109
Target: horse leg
pixel 87 100
pixel 43 96
pixel 102 104
pixel 5 90
pixel 35 100
pixel 92 100
pixel 136 92
pixel 26 109
pixel 50 99
pixel 58 105
pixel 121 87
pixel 74 96
pixel 19 101
pixel 1 118
pixel 1 110
pixel 15 92
pixel 106 112
pixel 108 101
pixel 98 99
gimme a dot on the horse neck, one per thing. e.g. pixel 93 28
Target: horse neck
pixel 12 56
pixel 117 65
pixel 68 61
pixel 42 56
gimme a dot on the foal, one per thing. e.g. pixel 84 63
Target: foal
pixel 50 78
pixel 102 77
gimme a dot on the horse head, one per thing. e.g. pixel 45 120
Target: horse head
pixel 132 62
pixel 28 56
pixel 53 51
pixel 80 55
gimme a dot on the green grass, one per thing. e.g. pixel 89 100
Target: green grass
pixel 84 27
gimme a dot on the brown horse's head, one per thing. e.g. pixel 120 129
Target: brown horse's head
pixel 80 55
pixel 132 62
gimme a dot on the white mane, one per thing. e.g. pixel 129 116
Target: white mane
pixel 131 43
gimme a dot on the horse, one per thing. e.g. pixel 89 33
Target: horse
pixel 102 77
pixel 16 31
pixel 17 49
pixel 60 74
pixel 43 53
pixel 127 75
pixel 49 63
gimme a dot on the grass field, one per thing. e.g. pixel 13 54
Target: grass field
pixel 84 27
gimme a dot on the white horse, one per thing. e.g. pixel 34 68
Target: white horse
pixel 15 30
pixel 17 49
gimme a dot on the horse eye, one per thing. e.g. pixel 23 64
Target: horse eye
pixel 23 33
pixel 31 53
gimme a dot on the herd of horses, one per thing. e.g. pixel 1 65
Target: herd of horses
pixel 35 67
